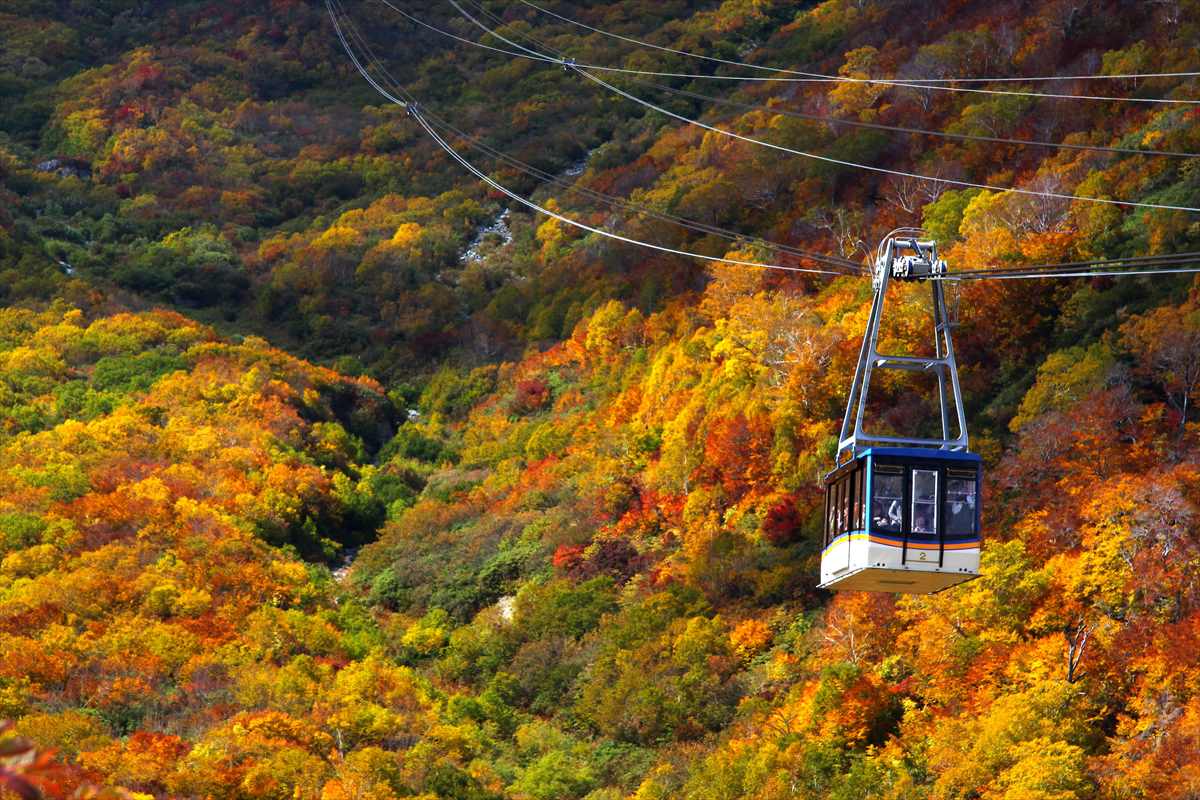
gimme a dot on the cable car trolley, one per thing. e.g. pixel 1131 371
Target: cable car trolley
pixel 902 514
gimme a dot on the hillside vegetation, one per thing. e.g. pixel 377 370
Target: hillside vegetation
pixel 325 474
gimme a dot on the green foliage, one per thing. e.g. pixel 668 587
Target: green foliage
pixel 554 776
pixel 420 442
pixel 447 782
pixel 19 530
pixel 562 608
pixel 1063 379
pixel 943 217
pixel 453 394
pixel 128 374
pixel 191 267
pixel 673 686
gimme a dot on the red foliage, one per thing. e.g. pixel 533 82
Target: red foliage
pixel 568 557
pixel 781 526
pixel 737 453
pixel 32 775
pixel 531 395
pixel 615 557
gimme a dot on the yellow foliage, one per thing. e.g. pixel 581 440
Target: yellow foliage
pixel 407 235
pixel 1064 378
pixel 750 637
pixel 856 96
pixel 338 237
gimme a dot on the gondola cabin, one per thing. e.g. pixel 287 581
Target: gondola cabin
pixel 902 519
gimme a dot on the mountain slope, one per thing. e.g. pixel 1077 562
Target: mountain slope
pixel 584 477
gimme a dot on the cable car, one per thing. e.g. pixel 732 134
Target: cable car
pixel 902 514
pixel 902 519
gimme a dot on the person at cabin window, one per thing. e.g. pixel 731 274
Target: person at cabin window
pixel 841 509
pixel 960 506
pixel 922 519
pixel 924 503
pixel 886 502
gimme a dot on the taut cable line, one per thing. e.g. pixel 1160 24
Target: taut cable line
pixel 844 265
pixel 935 84
pixel 914 81
pixel 1145 265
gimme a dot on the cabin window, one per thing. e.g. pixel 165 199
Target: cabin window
pixel 857 518
pixel 848 504
pixel 887 503
pixel 839 509
pixel 830 520
pixel 836 509
pixel 960 505
pixel 924 501
pixel 843 502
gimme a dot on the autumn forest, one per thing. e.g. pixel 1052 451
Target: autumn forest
pixel 329 470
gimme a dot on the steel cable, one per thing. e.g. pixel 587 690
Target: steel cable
pixel 848 266
pixel 1142 265
pixel 914 81
pixel 417 114
pixel 815 77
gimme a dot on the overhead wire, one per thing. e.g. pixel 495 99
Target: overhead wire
pixel 872 168
pixel 834 121
pixel 694 225
pixel 1181 263
pixel 879 126
pixel 329 6
pixel 1146 265
pixel 1191 255
pixel 1095 268
pixel 450 34
pixel 816 77
pixel 526 53
pixel 600 231
pixel 534 55
pixel 1002 275
pixel 828 159
pixel 914 81
pixel 419 115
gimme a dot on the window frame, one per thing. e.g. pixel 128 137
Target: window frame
pixel 935 503
pixel 892 471
pixel 856 511
pixel 829 534
pixel 972 476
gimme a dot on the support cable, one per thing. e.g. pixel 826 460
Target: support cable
pixel 571 64
pixel 999 275
pixel 816 77
pixel 869 167
pixel 693 225
pixel 415 111
pixel 467 165
pixel 850 266
pixel 914 81
pixel 527 53
pixel 853 123
pixel 1096 262
pixel 1144 265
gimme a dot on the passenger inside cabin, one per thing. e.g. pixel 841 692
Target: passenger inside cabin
pixel 891 518
pixel 886 508
pixel 960 506
pixel 924 501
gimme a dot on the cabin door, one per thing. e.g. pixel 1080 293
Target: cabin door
pixel 923 514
